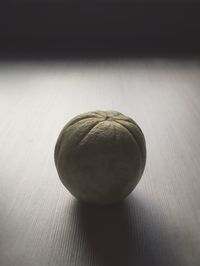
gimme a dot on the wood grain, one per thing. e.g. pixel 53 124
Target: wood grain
pixel 41 223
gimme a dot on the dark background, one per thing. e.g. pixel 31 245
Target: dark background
pixel 100 26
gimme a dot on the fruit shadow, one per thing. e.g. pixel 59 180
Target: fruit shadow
pixel 125 234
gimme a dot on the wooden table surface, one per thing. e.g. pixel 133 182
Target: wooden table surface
pixel 40 222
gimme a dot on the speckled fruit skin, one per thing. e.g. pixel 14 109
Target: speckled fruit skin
pixel 100 156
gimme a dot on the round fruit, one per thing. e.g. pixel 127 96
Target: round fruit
pixel 100 156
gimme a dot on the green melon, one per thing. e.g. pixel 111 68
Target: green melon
pixel 100 156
